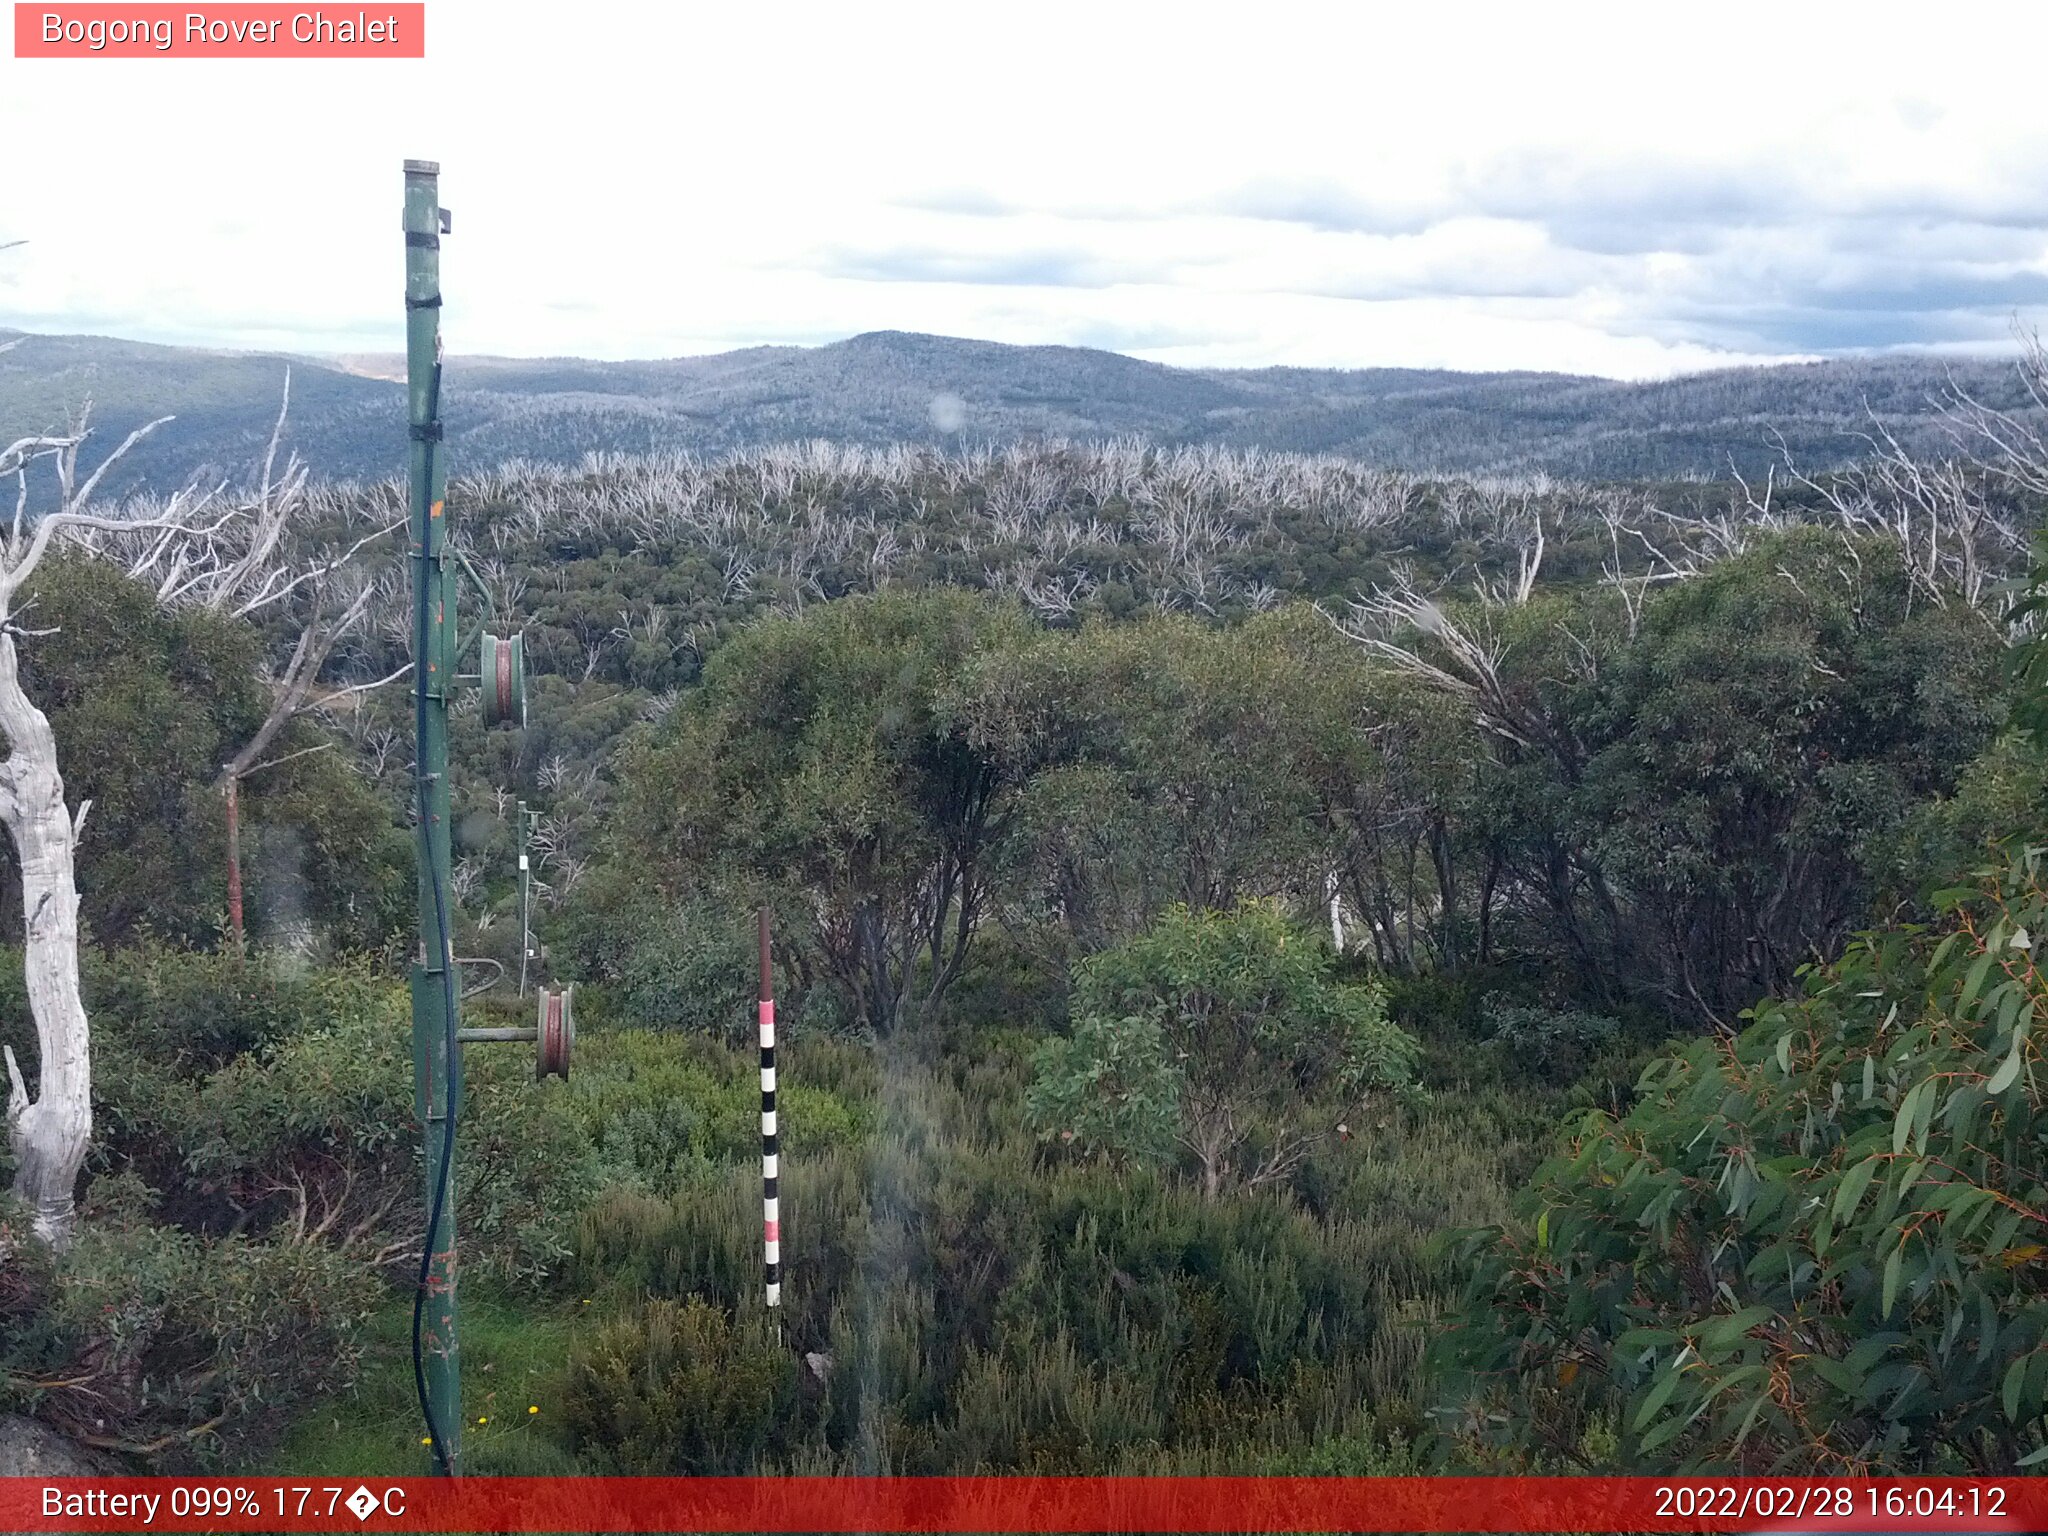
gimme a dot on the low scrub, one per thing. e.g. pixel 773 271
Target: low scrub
pixel 187 1351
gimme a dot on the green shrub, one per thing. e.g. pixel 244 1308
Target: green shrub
pixel 1951 835
pixel 1211 1035
pixel 188 1351
pixel 1012 977
pixel 1110 1086
pixel 955 1301
pixel 679 1388
pixel 146 703
pixel 286 1112
pixel 662 1108
pixel 1815 1247
pixel 161 1013
pixel 687 966
pixel 1557 1044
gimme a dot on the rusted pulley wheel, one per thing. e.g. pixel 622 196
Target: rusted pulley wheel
pixel 504 680
pixel 557 1038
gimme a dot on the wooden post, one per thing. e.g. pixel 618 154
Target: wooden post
pixel 235 861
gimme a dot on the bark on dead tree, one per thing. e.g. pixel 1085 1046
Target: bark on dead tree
pixel 50 1130
pixel 49 1134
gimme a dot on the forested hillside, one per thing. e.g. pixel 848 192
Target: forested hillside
pixel 887 388
pixel 1287 965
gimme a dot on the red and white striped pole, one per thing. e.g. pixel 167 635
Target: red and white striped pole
pixel 771 1215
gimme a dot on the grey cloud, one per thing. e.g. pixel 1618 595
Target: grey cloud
pixel 1775 266
pixel 1550 276
pixel 1537 187
pixel 1543 279
pixel 1533 188
pixel 1915 237
pixel 1830 286
pixel 1633 207
pixel 1325 206
pixel 1046 269
pixel 1111 337
pixel 1840 301
pixel 1605 232
pixel 965 202
pixel 1957 233
pixel 1806 328
pixel 1939 293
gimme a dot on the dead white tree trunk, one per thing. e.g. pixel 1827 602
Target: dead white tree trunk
pixel 50 1130
pixel 49 1134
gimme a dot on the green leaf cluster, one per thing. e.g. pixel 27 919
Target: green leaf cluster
pixel 1817 1245
pixel 1221 1034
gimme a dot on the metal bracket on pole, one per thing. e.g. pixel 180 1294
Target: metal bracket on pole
pixel 469 570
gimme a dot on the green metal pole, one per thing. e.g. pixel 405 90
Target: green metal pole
pixel 437 1056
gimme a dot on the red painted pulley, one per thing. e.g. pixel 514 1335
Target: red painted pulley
pixel 557 1037
pixel 504 679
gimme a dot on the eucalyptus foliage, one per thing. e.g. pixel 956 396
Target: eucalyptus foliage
pixel 819 764
pixel 1815 1246
pixel 146 705
pixel 1221 1035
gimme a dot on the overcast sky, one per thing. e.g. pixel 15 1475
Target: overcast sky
pixel 1629 190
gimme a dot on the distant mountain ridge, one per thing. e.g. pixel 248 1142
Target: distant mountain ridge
pixel 892 386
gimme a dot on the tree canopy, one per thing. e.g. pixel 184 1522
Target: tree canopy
pixel 1223 1035
pixel 147 704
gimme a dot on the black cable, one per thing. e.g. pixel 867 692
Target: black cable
pixel 423 602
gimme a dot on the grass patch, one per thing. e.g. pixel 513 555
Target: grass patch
pixel 511 1354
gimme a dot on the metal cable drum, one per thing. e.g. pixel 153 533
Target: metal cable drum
pixel 504 680
pixel 557 1036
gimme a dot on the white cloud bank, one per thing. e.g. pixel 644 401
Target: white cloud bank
pixel 1623 190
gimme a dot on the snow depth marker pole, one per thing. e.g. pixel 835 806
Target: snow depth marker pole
pixel 771 1211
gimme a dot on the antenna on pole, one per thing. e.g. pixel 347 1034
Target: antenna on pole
pixel 771 1206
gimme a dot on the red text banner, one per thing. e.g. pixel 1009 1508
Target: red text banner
pixel 376 31
pixel 1024 1504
